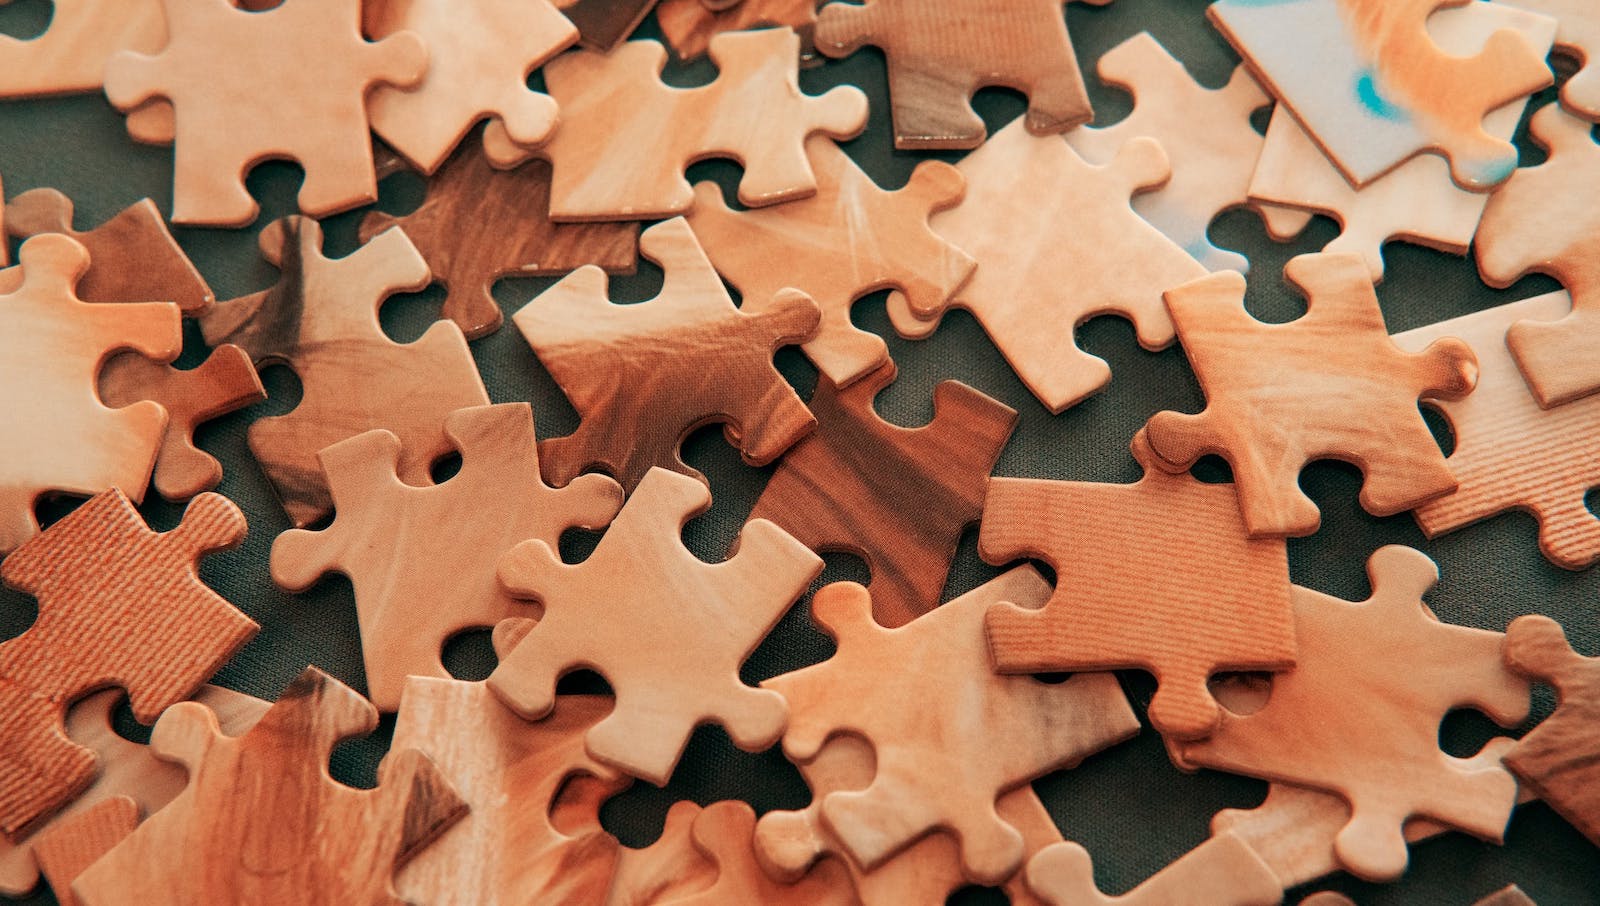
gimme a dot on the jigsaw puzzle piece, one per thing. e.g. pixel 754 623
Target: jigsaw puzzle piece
pixel 689 25
pixel 1222 871
pixel 1557 758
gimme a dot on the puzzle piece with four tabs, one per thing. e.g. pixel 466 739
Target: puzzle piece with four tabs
pixel 1578 37
pixel 689 25
pixel 1222 870
pixel 1558 759
pixel 1353 398
pixel 70 56
pixel 643 376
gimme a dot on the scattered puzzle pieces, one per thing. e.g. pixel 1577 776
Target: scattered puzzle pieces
pixel 689 25
pixel 1222 871
pixel 1558 759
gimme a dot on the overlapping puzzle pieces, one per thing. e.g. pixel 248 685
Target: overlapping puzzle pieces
pixel 689 25
pixel 1557 759
pixel 1220 870
pixel 723 833
pixel 1578 36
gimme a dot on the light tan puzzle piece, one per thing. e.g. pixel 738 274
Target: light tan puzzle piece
pixel 1056 244
pixel 70 57
pixel 1578 37
pixel 723 832
pixel 1221 871
pixel 689 25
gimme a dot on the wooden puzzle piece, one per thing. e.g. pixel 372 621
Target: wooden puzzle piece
pixel 897 497
pixel 603 24
pixel 72 845
pixel 724 832
pixel 1578 37
pixel 1506 896
pixel 626 136
pixel 416 587
pixel 321 319
pixel 666 871
pixel 1359 716
pixel 70 57
pixel 479 223
pixel 1509 453
pixel 1056 244
pixel 932 711
pixel 1558 758
pixel 119 605
pixel 479 58
pixel 643 376
pixel 215 61
pixel 850 239
pixel 1222 871
pixel 666 630
pixel 1205 132
pixel 940 54
pixel 1330 385
pixel 1538 223
pixel 1160 575
pixel 689 25
pixel 59 436
pixel 1372 87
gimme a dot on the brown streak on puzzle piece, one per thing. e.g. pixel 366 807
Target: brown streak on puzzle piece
pixel 1560 758
pixel 603 24
pixel 689 25
pixel 72 845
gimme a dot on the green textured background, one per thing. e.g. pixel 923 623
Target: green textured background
pixel 1129 806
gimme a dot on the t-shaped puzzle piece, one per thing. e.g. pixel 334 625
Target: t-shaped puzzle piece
pixel 1558 759
pixel 1222 871
pixel 70 57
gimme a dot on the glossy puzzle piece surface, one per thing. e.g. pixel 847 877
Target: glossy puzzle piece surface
pixel 215 61
pixel 415 586
pixel 933 712
pixel 603 24
pixel 940 54
pixel 119 605
pixel 689 25
pixel 1367 80
pixel 1159 575
pixel 724 832
pixel 1056 244
pixel 1558 759
pixel 626 136
pixel 1359 716
pixel 666 630
pixel 321 319
pixel 1354 395
pixel 643 376
pixel 850 239
pixel 1222 871
pixel 1577 36
pixel 479 223
pixel 72 845
pixel 70 57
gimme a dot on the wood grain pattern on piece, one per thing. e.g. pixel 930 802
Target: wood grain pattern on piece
pixel 643 376
pixel 1510 453
pixel 603 24
pixel 1205 132
pixel 940 54
pixel 321 319
pixel 666 630
pixel 1560 758
pixel 1354 395
pixel 925 698
pixel 1370 85
pixel 416 587
pixel 1159 575
pixel 59 436
pixel 663 872
pixel 119 605
pixel 689 25
pixel 1577 37
pixel 626 136
pixel 1056 244
pixel 75 843
pixel 1359 716
pixel 1538 222
pixel 850 239
pixel 479 223
pixel 723 832
pixel 211 70
pixel 70 57
pixel 1221 871
pixel 897 497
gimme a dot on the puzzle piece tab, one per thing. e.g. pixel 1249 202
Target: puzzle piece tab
pixel 723 832
pixel 1558 758
pixel 1222 870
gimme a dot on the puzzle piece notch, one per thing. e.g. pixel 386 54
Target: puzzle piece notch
pixel 1578 37
pixel 724 834
pixel 689 25
pixel 1557 758
pixel 603 24
pixel 70 56
pixel 1222 870
pixel 72 845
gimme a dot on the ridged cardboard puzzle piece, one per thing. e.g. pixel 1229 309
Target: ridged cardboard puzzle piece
pixel 119 605
pixel 1577 37
pixel 1359 716
pixel 321 319
pixel 626 136
pixel 1222 871
pixel 211 70
pixel 1030 294
pixel 850 239
pixel 724 833
pixel 689 25
pixel 643 376
pixel 1558 758
pixel 668 631
pixel 70 56
pixel 76 843
pixel 603 24
pixel 1354 395
pixel 1372 87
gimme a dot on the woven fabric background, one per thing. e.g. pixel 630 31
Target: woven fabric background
pixel 1129 806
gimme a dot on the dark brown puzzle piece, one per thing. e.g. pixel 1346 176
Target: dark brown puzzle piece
pixel 1559 759
pixel 603 24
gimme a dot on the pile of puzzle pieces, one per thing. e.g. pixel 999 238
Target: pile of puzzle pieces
pixel 919 737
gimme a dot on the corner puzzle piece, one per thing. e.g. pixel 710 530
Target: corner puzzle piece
pixel 940 54
pixel 1056 244
pixel 626 136
pixel 72 845
pixel 508 772
pixel 1331 384
pixel 1222 871
pixel 724 833
pixel 897 497
pixel 262 822
pixel 1374 90
pixel 1205 132
pixel 666 630
pixel 479 58
pixel 848 240
pixel 1558 758
pixel 309 51
pixel 643 376
pixel 1159 575
pixel 1359 716
pixel 1509 453
pixel 1578 37
pixel 59 436
pixel 932 711
pixel 321 319
pixel 479 223
pixel 689 25
pixel 119 605
pixel 415 586
pixel 603 24
pixel 70 57
pixel 1538 223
